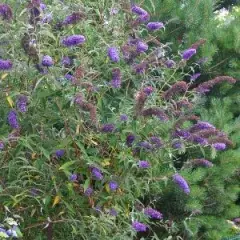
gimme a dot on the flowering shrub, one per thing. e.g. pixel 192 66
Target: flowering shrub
pixel 94 120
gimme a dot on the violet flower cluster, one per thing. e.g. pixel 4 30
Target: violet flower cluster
pixel 181 182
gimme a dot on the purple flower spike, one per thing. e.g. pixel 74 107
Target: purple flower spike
pixel 187 54
pixel 139 227
pixel 6 12
pixel 219 146
pixel 108 128
pixel 73 177
pixel 88 192
pixel 5 64
pixel 12 119
pixel 181 182
pixel 143 18
pixel 47 61
pixel 69 77
pixel 22 103
pixel 148 90
pixel 201 163
pixel 73 40
pixel 113 54
pixel 139 11
pixel 195 76
pixel 97 173
pixel 72 19
pixel 143 164
pixel 113 185
pixel 152 213
pixel 130 139
pixel 123 117
pixel 142 47
pixel 59 153
pixel 43 6
pixel 152 26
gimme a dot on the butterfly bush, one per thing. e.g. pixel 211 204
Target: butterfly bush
pixel 98 123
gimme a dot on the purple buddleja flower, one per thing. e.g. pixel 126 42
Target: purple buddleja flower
pixel 142 19
pixel 113 185
pixel 178 88
pixel 43 6
pixel 73 177
pixel 198 140
pixel 219 146
pixel 123 117
pixel 4 233
pixel 5 64
pixel 170 63
pixel 6 12
pixel 182 133
pixel 113 54
pixel 148 90
pixel 139 11
pixel 22 103
pixel 156 142
pixel 154 111
pixel 113 212
pixel 152 26
pixel 69 76
pixel 181 182
pixel 139 227
pixel 206 86
pixel 143 164
pixel 12 119
pixel 108 128
pixel 201 125
pixel 59 153
pixel 73 18
pixel 97 173
pixel 195 76
pixel 88 192
pixel 130 139
pixel 188 53
pixel 116 78
pixel 142 47
pixel 152 213
pixel 1 145
pixel 47 61
pixel 145 145
pixel 201 163
pixel 177 145
pixel 73 40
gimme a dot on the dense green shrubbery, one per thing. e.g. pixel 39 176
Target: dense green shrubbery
pixel 100 139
